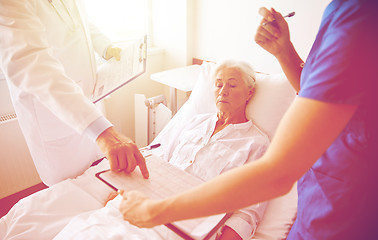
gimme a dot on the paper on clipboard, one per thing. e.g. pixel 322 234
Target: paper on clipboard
pixel 166 180
pixel 113 74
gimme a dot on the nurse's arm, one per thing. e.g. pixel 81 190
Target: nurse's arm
pixel 275 38
pixel 307 129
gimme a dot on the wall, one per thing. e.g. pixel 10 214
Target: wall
pixel 17 170
pixel 120 105
pixel 226 29
pixel 172 28
pixel 218 29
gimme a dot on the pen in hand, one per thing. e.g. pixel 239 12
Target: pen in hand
pixel 150 147
pixel 286 16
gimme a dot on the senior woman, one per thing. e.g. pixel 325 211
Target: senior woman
pixel 210 145
pixel 216 142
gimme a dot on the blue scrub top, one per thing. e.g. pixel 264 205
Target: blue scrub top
pixel 337 197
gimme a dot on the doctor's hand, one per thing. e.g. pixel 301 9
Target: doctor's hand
pixel 139 210
pixel 273 33
pixel 121 152
pixel 113 52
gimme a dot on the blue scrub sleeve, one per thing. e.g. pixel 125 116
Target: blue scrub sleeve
pixel 334 71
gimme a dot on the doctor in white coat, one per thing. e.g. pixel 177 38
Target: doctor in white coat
pixel 47 56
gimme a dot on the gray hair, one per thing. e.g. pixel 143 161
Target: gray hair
pixel 246 70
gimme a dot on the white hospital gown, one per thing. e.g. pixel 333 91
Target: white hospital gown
pixel 206 156
pixel 196 152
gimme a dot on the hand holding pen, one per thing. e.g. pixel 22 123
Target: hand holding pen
pixel 273 32
pixel 286 16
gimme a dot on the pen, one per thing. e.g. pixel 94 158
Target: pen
pixel 286 16
pixel 150 147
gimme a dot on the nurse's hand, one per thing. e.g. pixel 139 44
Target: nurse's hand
pixel 273 32
pixel 228 234
pixel 113 52
pixel 139 210
pixel 121 152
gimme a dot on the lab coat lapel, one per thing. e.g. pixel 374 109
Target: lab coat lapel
pixel 88 37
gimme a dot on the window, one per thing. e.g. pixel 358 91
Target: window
pixel 120 20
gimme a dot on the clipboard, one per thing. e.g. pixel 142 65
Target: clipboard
pixel 113 74
pixel 166 180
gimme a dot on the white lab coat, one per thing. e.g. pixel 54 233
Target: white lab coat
pixel 48 60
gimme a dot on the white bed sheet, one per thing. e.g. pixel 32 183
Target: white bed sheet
pixel 43 214
pixel 107 223
pixel 74 209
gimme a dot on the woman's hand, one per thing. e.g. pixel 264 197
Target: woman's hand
pixel 273 33
pixel 138 209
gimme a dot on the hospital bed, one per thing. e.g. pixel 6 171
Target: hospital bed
pixel 43 214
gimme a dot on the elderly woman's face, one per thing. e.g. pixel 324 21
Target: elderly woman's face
pixel 231 92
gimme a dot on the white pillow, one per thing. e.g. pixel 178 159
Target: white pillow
pixel 278 218
pixel 272 97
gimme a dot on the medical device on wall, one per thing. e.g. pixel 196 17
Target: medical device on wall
pixel 151 115
pixel 114 74
pixel 153 107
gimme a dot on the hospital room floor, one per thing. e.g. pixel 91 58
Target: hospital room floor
pixel 8 202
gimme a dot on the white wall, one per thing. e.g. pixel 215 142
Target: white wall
pixel 218 29
pixel 172 29
pixel 226 29
pixel 169 30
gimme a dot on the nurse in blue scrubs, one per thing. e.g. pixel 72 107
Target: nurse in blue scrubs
pixel 326 141
pixel 336 193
